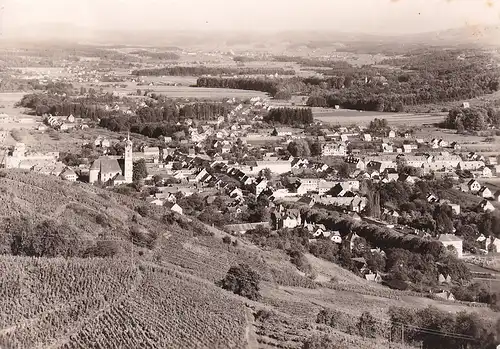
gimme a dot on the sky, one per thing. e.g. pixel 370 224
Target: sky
pixel 360 16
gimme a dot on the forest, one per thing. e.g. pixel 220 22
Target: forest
pixel 202 70
pixel 423 77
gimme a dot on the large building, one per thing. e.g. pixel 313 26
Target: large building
pixel 108 170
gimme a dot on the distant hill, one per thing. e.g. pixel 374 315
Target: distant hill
pixel 153 285
pixel 478 35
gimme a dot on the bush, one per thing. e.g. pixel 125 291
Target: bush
pixel 227 240
pixel 300 261
pixel 106 248
pixel 143 210
pixel 142 238
pixel 366 325
pixel 243 281
pixel 262 315
pixel 322 342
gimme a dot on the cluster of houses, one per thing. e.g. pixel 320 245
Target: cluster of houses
pixel 62 123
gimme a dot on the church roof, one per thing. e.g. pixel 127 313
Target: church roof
pixel 106 165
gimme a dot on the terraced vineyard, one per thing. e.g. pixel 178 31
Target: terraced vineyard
pixel 165 295
pixel 110 304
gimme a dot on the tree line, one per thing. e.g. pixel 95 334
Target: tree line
pixel 444 77
pixel 474 118
pixel 202 70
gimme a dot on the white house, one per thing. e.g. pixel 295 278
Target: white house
pixel 452 240
pixel 174 207
pixel 474 186
pixel 485 192
pixel 486 206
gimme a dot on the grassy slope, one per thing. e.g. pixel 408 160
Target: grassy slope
pixel 166 296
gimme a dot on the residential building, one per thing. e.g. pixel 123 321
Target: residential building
pixel 486 206
pixel 473 186
pixel 333 149
pixel 68 175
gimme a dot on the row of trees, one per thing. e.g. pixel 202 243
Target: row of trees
pixel 427 328
pixel 202 70
pixel 165 56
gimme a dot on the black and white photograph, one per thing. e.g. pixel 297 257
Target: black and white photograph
pixel 280 174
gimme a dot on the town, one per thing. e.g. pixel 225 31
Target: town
pixel 287 193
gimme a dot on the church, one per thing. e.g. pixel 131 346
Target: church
pixel 110 170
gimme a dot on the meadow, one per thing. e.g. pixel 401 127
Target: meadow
pixel 349 117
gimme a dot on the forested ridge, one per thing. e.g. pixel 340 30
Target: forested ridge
pixel 421 78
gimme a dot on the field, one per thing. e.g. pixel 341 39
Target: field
pixel 350 117
pixel 165 296
pixel 189 92
pixel 17 119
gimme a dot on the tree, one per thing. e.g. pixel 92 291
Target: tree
pixel 266 173
pixel 140 170
pixel 316 149
pixel 243 281
pixel 299 148
pixel 366 325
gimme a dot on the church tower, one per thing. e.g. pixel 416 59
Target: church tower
pixel 128 168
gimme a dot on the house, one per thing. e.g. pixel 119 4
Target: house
pixel 392 134
pixel 492 244
pixel 260 186
pixel 68 175
pixel 452 240
pixel 151 152
pixel 387 148
pixel 286 219
pixel 374 277
pixel 442 143
pixel 456 146
pixel 496 196
pixel 446 295
pixel 444 280
pixel 431 198
pixel 174 207
pixel 332 149
pixel 465 105
pixel 486 206
pixel 357 204
pixel 485 192
pixel 367 137
pixel 470 165
pixel 484 172
pixel 455 208
pixel 336 238
pixel 407 148
pixel 407 179
pixel 236 193
pixel 473 186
